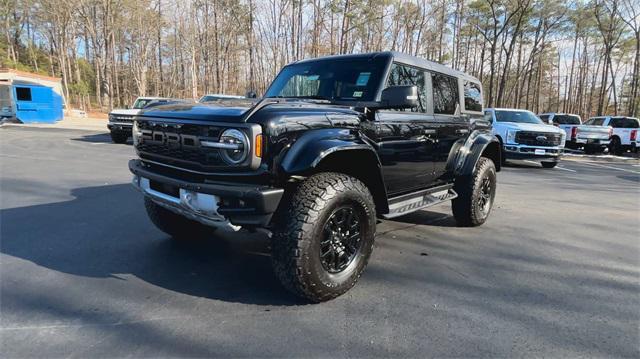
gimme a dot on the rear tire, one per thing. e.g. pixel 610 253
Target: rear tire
pixel 475 194
pixel 324 236
pixel 175 225
pixel 549 164
pixel 615 147
pixel 118 137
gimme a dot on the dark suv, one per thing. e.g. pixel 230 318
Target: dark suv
pixel 335 143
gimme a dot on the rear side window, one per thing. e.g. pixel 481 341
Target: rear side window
pixel 566 120
pixel 402 75
pixel 630 123
pixel 472 96
pixel 617 122
pixel 595 122
pixel 445 94
pixel 23 94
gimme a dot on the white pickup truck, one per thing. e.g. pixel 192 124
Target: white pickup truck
pixel 524 136
pixel 121 120
pixel 565 121
pixel 621 132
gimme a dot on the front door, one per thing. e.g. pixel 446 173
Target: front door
pixel 405 139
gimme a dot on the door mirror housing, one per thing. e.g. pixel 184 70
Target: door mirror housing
pixel 399 97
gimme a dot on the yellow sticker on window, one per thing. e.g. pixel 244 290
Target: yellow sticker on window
pixel 357 93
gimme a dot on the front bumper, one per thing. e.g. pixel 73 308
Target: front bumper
pixel 120 126
pixel 220 205
pixel 522 152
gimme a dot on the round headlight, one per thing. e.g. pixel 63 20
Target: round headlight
pixel 238 146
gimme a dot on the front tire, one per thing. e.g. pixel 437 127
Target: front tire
pixel 475 194
pixel 324 236
pixel 175 225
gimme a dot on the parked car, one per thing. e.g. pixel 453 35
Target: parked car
pixel 524 136
pixel 335 143
pixel 565 121
pixel 623 131
pixel 593 137
pixel 121 120
pixel 218 97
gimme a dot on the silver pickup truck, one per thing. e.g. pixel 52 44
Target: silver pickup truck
pixel 593 137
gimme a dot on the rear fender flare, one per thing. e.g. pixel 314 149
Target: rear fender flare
pixel 477 145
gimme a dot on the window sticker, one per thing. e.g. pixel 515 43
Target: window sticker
pixel 357 93
pixel 363 78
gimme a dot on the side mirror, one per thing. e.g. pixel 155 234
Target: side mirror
pixel 251 94
pixel 398 97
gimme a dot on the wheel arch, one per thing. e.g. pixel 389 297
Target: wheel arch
pixel 480 145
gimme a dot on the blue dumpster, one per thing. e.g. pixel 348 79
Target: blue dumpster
pixel 35 103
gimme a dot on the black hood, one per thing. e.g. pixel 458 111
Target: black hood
pixel 221 111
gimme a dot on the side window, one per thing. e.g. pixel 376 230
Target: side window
pixel 616 122
pixel 472 96
pixel 402 75
pixel 23 94
pixel 631 123
pixel 488 116
pixel 595 122
pixel 445 94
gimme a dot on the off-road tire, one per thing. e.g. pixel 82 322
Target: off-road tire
pixel 466 209
pixel 300 229
pixel 549 164
pixel 118 137
pixel 175 225
pixel 615 147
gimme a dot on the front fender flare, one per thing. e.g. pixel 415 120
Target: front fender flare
pixel 312 147
pixel 477 144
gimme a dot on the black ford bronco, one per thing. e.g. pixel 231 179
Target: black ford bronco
pixel 335 143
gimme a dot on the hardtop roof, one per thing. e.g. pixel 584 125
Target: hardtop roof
pixel 398 57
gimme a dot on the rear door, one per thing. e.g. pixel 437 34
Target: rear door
pixel 452 127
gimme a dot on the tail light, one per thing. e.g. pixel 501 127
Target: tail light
pixel 574 132
pixel 633 135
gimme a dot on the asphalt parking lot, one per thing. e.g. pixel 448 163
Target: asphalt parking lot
pixel 555 272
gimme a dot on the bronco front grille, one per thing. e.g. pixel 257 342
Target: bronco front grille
pixel 531 138
pixel 178 144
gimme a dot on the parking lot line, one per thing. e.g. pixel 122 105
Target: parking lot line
pixel 609 167
pixel 565 169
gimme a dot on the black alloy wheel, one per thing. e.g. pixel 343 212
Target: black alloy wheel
pixel 485 197
pixel 342 239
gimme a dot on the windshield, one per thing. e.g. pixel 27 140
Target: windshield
pixel 517 116
pixel 330 79
pixel 211 98
pixel 140 103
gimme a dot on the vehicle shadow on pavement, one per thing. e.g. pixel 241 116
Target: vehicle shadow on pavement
pixel 104 233
pixel 99 138
pixel 427 218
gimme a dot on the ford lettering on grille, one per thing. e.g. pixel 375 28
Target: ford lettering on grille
pixel 179 145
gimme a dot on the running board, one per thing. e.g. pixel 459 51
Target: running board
pixel 401 205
